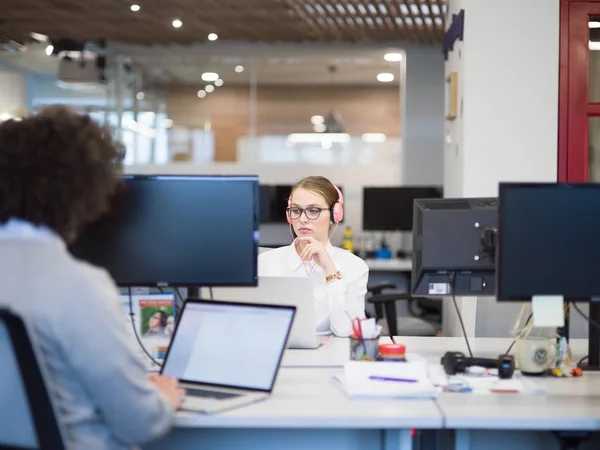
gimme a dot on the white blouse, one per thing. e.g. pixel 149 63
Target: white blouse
pixel 337 301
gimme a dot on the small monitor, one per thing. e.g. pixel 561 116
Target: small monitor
pixel 549 241
pixel 178 231
pixel 454 247
pixel 391 208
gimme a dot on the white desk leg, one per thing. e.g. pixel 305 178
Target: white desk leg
pixel 462 440
pixel 397 440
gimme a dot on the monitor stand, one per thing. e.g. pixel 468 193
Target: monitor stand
pixel 593 361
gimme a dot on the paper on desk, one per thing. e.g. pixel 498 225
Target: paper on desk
pixel 485 384
pixel 356 383
pixel 548 310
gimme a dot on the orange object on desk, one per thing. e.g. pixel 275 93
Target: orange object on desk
pixel 392 352
pixel 576 371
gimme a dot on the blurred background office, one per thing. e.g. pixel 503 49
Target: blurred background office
pixel 284 89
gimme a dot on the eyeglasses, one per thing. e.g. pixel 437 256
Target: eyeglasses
pixel 311 213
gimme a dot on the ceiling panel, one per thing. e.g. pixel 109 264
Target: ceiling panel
pixel 383 21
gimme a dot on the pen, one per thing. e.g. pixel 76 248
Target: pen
pixel 399 380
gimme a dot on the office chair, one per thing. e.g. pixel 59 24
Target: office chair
pixel 426 320
pixel 28 418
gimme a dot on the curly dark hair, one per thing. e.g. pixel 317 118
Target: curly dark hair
pixel 57 169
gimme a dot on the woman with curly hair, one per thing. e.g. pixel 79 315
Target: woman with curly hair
pixel 57 174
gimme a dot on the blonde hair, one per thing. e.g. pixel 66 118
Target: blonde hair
pixel 318 185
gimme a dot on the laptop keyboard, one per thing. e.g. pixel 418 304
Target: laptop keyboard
pixel 210 394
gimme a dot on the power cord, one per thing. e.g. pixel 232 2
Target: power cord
pixel 135 330
pixel 452 280
pixel 513 342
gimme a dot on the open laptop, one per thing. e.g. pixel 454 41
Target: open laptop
pixel 227 354
pixel 292 291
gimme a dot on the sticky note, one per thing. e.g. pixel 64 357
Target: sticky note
pixel 548 310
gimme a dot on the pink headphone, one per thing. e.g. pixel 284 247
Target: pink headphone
pixel 337 210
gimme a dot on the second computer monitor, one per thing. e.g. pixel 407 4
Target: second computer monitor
pixel 549 241
pixel 178 230
pixel 454 247
pixel 391 208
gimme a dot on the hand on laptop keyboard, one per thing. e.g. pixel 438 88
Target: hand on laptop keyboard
pixel 169 387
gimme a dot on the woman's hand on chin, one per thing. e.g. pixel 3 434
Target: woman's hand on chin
pixel 315 251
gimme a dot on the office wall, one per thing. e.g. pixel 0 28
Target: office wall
pixel 423 115
pixel 506 129
pixel 283 110
pixel 13 91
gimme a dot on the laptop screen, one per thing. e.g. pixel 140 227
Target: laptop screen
pixel 229 344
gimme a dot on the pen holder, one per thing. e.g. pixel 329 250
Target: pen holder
pixel 363 349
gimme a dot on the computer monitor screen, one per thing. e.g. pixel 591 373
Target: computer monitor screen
pixel 391 208
pixel 264 208
pixel 172 230
pixel 454 247
pixel 206 344
pixel 549 241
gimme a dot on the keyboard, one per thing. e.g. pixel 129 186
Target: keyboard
pixel 210 394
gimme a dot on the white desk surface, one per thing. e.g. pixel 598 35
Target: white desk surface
pixel 310 399
pixel 389 265
pixel 569 404
pixel 333 354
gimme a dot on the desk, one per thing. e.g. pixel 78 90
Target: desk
pixel 502 421
pixel 306 411
pixel 333 354
pixel 389 265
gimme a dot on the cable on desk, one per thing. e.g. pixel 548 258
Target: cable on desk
pixel 581 313
pixel 135 330
pixel 452 279
pixel 513 342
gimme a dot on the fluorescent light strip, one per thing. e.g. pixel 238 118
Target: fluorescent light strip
pixel 308 138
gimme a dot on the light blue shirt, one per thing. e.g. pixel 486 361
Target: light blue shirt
pixel 100 387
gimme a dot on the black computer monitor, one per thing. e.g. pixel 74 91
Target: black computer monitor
pixel 454 247
pixel 549 244
pixel 391 208
pixel 178 231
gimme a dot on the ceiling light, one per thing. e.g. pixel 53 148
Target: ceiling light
pixel 136 8
pixel 239 69
pixel 310 138
pixel 140 96
pixel 39 37
pixel 49 50
pixel 213 37
pixel 594 45
pixel 594 24
pixel 393 57
pixel 218 83
pixel 317 120
pixel 209 88
pixel 210 76
pixel 385 77
pixel 177 23
pixel 201 93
